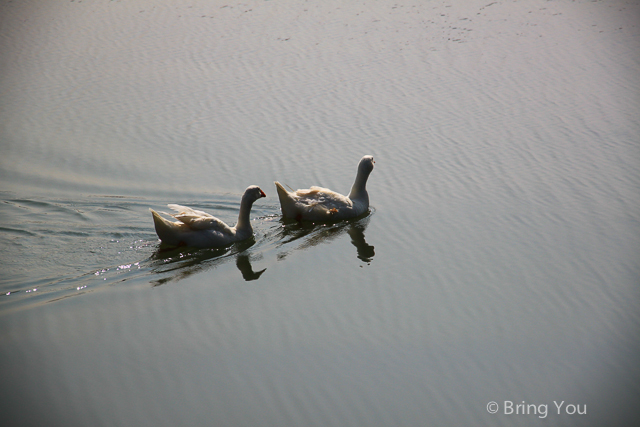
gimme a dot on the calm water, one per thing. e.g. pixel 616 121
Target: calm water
pixel 499 262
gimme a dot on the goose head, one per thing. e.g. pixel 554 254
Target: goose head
pixel 366 165
pixel 253 193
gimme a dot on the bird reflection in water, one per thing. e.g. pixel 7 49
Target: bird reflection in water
pixel 285 236
pixel 179 263
pixel 365 251
pixel 314 234
pixel 243 262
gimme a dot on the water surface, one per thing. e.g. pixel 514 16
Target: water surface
pixel 499 261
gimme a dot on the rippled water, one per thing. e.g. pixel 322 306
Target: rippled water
pixel 499 262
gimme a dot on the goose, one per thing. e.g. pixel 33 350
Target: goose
pixel 322 205
pixel 202 230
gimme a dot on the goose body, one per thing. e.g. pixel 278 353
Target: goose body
pixel 202 230
pixel 320 204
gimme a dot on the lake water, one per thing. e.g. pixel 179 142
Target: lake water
pixel 499 262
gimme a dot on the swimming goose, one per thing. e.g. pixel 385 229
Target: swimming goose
pixel 321 204
pixel 202 230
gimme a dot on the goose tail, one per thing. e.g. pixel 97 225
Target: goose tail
pixel 287 203
pixel 282 192
pixel 166 230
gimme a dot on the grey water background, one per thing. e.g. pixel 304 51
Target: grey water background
pixel 499 262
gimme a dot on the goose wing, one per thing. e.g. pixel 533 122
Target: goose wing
pixel 319 196
pixel 198 220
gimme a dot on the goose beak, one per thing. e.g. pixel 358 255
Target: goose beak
pixel 262 194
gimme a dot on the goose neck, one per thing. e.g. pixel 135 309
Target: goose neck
pixel 244 220
pixel 359 188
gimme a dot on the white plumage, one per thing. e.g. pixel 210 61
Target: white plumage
pixel 202 230
pixel 322 205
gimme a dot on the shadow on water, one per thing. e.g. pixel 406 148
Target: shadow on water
pixel 67 248
pixel 311 234
pixel 283 236
pixel 179 263
pixel 157 264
